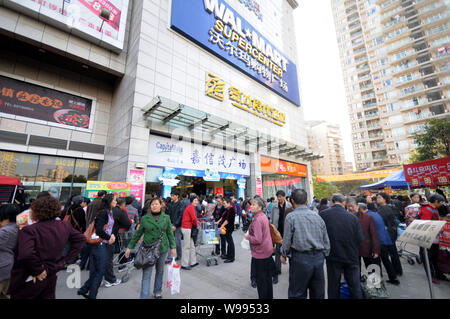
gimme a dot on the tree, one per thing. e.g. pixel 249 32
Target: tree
pixel 434 143
pixel 322 190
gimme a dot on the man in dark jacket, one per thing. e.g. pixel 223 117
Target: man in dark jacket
pixel 345 234
pixel 121 220
pixel 389 219
pixel 94 208
pixel 217 213
pixel 136 205
pixel 175 210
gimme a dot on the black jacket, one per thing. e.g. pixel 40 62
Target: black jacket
pixel 121 220
pixel 217 213
pixel 100 221
pixel 345 234
pixel 389 217
pixel 78 219
pixel 175 211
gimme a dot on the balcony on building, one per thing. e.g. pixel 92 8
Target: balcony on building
pixel 369 115
pixel 354 25
pixel 359 51
pixel 353 18
pixel 350 3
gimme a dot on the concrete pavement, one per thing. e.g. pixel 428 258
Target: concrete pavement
pixel 232 281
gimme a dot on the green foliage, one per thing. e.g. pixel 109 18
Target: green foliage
pixel 435 143
pixel 352 187
pixel 76 179
pixel 322 190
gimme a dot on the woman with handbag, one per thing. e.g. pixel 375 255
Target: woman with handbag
pixel 38 256
pixel 188 255
pixel 98 242
pixel 158 235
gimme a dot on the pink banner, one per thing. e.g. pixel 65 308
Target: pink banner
pixel 137 184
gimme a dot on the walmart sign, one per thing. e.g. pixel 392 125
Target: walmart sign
pixel 218 28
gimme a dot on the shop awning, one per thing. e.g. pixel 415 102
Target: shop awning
pixel 169 114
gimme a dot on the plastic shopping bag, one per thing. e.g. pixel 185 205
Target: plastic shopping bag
pixel 173 277
pixel 245 243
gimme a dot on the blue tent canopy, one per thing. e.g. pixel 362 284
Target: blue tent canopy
pixel 395 180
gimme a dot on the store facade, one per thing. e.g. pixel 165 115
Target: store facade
pixel 207 77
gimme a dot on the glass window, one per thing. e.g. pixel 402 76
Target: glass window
pixel 86 170
pixel 19 165
pixel 55 169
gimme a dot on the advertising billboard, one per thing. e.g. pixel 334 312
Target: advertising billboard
pixel 428 173
pixel 99 21
pixel 218 28
pixel 43 104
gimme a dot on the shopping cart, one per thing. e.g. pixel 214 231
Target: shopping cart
pixel 120 263
pixel 208 238
pixel 401 248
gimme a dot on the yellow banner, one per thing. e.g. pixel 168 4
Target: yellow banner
pixel 356 176
pixel 107 186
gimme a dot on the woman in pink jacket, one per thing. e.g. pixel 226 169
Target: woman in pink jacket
pixel 261 247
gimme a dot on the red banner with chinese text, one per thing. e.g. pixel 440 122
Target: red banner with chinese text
pixel 429 173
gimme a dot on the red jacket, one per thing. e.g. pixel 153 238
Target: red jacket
pixel 189 218
pixel 428 213
pixel 371 243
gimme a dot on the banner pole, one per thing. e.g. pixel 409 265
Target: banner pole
pixel 427 264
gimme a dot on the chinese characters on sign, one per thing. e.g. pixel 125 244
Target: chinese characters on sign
pixel 40 103
pixel 429 173
pixel 165 152
pixel 218 28
pixel 422 232
pixel 243 101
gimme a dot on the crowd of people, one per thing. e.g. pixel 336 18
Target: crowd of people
pixel 37 242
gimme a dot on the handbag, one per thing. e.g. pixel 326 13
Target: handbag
pixel 147 255
pixel 275 234
pixel 91 236
pixel 194 234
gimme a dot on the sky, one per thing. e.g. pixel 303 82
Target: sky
pixel 322 87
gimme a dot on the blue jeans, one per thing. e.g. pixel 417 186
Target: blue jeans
pixel 97 263
pixel 85 252
pixel 147 276
pixel 306 273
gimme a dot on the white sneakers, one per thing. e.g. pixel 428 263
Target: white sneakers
pixel 108 284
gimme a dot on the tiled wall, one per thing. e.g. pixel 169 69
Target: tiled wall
pixel 61 41
pixel 39 73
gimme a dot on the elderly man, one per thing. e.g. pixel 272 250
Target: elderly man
pixel 345 234
pixel 306 239
pixel 279 212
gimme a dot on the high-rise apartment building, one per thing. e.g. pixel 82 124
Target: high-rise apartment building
pixel 326 138
pixel 395 60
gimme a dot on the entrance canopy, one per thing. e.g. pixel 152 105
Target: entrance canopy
pixel 168 113
pixel 395 180
pixel 11 181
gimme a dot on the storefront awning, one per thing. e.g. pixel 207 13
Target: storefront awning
pixel 166 112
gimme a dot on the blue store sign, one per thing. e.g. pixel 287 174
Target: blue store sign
pixel 218 28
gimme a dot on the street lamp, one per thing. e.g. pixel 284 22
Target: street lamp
pixel 104 15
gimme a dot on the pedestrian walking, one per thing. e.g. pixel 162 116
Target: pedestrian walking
pixel 389 218
pixel 412 210
pixel 279 212
pixel 323 205
pixel 95 207
pixel 430 211
pixel 345 234
pixel 132 212
pixel 227 221
pixel 385 243
pixel 261 248
pixel 153 225
pixel 217 214
pixel 121 221
pixel 175 210
pixel 306 240
pixel 8 242
pixel 369 249
pixel 189 257
pixel 104 223
pixel 38 257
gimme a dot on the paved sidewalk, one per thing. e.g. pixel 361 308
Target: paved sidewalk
pixel 232 281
